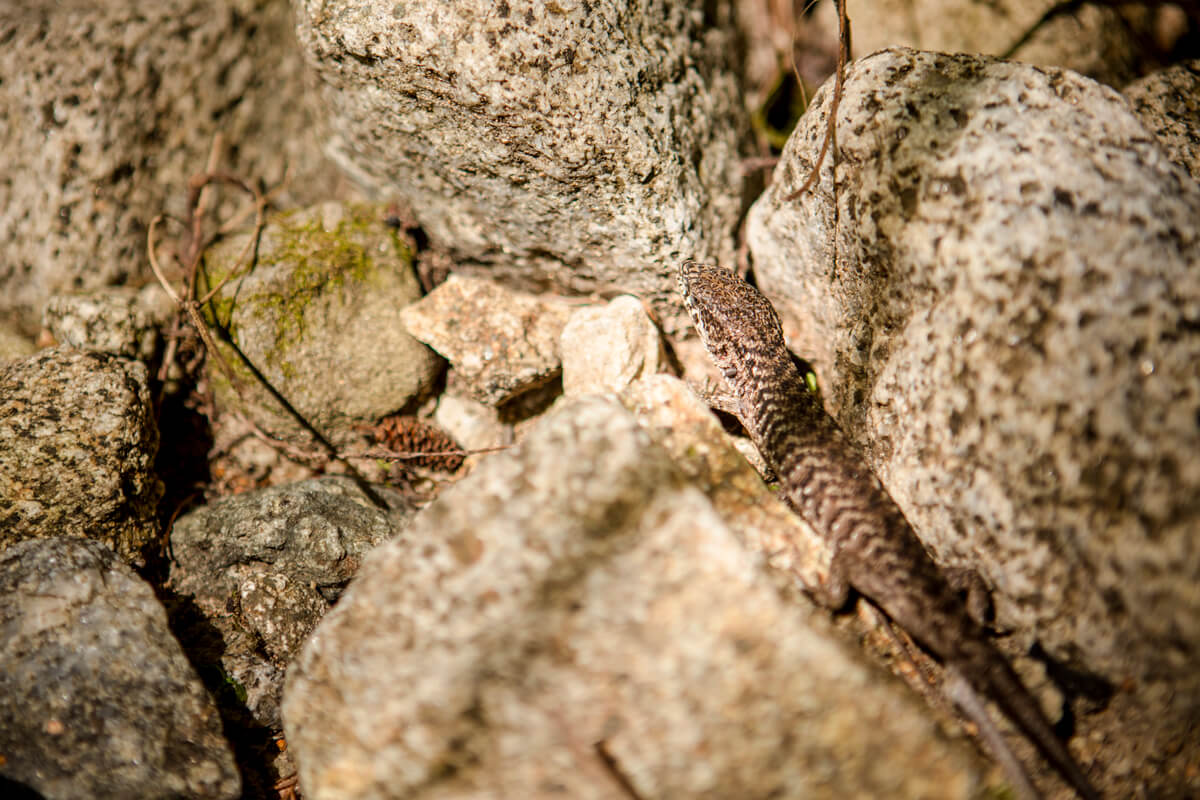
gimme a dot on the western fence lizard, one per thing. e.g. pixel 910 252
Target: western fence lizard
pixel 827 482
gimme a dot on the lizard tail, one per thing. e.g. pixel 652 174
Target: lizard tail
pixel 1007 691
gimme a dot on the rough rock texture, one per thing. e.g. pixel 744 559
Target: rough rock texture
pixel 573 616
pixel 106 110
pixel 570 146
pixel 77 447
pixel 263 567
pixel 121 321
pixel 501 343
pixel 319 316
pixel 606 348
pixel 1004 309
pixel 1168 104
pixel 679 422
pixel 99 699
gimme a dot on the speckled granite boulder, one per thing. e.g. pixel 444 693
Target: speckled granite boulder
pixel 564 146
pixel 1004 308
pixel 319 316
pixel 107 109
pixel 99 700
pixel 77 447
pixel 573 617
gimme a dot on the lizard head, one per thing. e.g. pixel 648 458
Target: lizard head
pixel 738 326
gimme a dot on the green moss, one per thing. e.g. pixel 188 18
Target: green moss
pixel 316 262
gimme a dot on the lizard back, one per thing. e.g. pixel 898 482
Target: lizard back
pixel 828 483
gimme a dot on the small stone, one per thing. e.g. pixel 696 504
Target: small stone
pixel 263 567
pixel 1168 103
pixel 500 343
pixel 606 348
pixel 120 321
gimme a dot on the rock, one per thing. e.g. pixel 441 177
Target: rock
pixel 564 147
pixel 14 344
pixel 1168 103
pixel 121 320
pixel 713 460
pixel 77 447
pixel 100 701
pixel 473 424
pixel 598 627
pixel 606 348
pixel 263 567
pixel 1092 39
pixel 1004 310
pixel 106 111
pixel 501 343
pixel 319 317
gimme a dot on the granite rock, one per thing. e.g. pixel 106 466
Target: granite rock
pixel 263 567
pixel 501 343
pixel 99 699
pixel 1168 104
pixel 122 321
pixel 606 348
pixel 319 317
pixel 107 109
pixel 573 617
pixel 77 447
pixel 1003 306
pixel 561 146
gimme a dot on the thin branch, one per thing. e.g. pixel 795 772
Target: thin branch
pixel 830 130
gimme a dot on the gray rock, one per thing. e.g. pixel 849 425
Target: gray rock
pixel 107 109
pixel 606 348
pixel 99 699
pixel 501 343
pixel 1168 103
pixel 77 447
pixel 263 567
pixel 573 616
pixel 1004 309
pixel 319 317
pixel 121 321
pixel 568 147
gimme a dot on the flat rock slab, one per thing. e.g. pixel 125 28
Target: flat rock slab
pixel 99 699
pixel 574 617
pixel 571 146
pixel 1004 308
pixel 77 448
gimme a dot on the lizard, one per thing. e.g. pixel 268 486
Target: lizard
pixel 827 481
